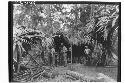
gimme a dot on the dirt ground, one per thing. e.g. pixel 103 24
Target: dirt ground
pixel 89 70
pixel 76 73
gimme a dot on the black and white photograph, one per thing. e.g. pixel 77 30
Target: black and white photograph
pixel 64 41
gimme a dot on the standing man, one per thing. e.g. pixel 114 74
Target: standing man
pixel 53 56
pixel 88 55
pixel 65 55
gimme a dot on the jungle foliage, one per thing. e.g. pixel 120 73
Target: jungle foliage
pixel 34 26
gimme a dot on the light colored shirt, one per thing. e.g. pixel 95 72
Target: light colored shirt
pixel 87 51
pixel 64 49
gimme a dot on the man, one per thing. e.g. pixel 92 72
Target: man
pixel 53 56
pixel 87 52
pixel 65 55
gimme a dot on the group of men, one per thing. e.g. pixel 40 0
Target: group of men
pixel 58 58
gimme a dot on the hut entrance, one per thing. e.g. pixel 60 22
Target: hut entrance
pixel 77 52
pixel 79 55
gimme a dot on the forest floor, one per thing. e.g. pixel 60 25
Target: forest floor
pixel 75 73
pixel 109 71
pixel 89 71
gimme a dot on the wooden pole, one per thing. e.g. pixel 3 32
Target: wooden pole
pixel 71 53
pixel 54 59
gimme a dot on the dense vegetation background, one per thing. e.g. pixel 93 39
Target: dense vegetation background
pixel 35 27
pixel 96 25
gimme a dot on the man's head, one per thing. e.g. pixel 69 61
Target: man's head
pixel 86 46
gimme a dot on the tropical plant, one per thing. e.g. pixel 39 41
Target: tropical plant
pixel 92 24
